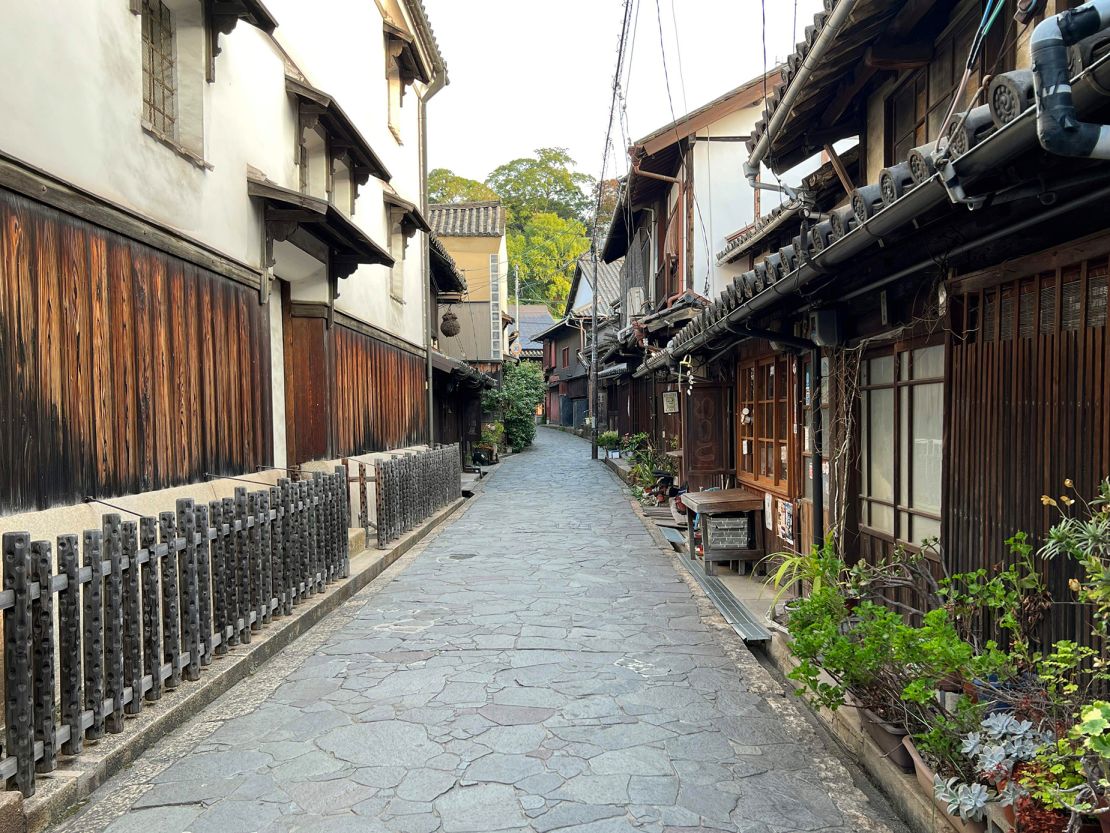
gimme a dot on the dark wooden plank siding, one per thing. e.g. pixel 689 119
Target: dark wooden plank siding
pixel 383 403
pixel 1028 374
pixel 122 369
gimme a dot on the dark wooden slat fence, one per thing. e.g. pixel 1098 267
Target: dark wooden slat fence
pixel 152 603
pixel 143 606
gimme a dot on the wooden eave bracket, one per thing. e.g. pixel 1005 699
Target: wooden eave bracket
pixel 221 17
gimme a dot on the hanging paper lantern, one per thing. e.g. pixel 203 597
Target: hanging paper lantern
pixel 450 324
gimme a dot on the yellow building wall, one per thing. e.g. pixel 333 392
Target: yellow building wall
pixel 472 254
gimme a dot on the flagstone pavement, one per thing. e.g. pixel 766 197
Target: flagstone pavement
pixel 537 665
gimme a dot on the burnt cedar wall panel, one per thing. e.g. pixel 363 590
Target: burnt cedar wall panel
pixel 382 399
pixel 1029 384
pixel 122 369
pixel 310 390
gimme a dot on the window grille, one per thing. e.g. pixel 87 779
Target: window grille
pixel 495 306
pixel 159 71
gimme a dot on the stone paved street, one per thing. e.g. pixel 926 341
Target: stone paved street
pixel 538 665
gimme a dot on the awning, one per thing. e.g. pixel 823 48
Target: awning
pixel 613 372
pixel 412 216
pixel 446 277
pixel 291 214
pixel 342 133
pixel 252 11
pixel 464 374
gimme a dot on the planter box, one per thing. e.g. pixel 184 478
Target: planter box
pixel 925 780
pixel 888 738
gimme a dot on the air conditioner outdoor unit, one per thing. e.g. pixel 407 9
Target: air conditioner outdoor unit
pixel 634 304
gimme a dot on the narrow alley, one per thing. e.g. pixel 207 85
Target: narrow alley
pixel 538 665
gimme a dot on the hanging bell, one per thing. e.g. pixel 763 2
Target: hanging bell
pixel 449 326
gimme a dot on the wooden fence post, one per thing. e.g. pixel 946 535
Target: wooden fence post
pixel 188 589
pixel 132 621
pixel 254 569
pixel 19 714
pixel 219 576
pixel 204 584
pixel 171 613
pixel 93 623
pixel 113 621
pixel 42 612
pixel 152 611
pixel 231 571
pixel 243 567
pixel 288 547
pixel 69 653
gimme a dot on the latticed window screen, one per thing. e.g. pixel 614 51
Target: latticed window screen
pixel 159 82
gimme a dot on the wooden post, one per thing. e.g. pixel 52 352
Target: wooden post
pixel 171 613
pixel 42 613
pixel 204 584
pixel 188 591
pixel 289 547
pixel 93 622
pixel 19 707
pixel 113 622
pixel 152 612
pixel 69 654
pixel 231 571
pixel 132 620
pixel 219 575
pixel 243 563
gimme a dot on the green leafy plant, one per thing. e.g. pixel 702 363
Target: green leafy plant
pixel 492 435
pixel 816 567
pixel 631 443
pixel 521 392
pixel 608 439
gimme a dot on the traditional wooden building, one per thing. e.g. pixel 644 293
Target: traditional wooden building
pixel 925 353
pixel 566 348
pixel 213 251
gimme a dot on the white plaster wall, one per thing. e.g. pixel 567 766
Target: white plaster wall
pixel 724 199
pixel 72 102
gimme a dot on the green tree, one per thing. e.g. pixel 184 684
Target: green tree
pixel 544 184
pixel 445 186
pixel 544 252
pixel 610 192
pixel 521 392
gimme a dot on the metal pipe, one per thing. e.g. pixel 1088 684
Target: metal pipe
pixel 1059 129
pixel 829 31
pixel 817 460
pixel 593 351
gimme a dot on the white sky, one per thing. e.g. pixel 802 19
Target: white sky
pixel 532 73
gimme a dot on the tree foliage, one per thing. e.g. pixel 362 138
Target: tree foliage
pixel 610 193
pixel 445 186
pixel 545 252
pixel 544 184
pixel 521 392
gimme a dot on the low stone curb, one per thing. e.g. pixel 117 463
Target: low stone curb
pixel 60 792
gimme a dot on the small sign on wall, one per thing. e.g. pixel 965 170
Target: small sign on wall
pixel 786 521
pixel 670 402
pixel 768 510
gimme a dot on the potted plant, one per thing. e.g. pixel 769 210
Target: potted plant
pixel 489 445
pixel 610 441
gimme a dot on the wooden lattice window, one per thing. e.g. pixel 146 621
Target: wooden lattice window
pixel 159 69
pixel 765 421
pixel 901 442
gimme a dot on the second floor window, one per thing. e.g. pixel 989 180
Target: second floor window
pixel 566 357
pixel 159 69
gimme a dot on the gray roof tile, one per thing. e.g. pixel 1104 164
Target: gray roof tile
pixel 468 219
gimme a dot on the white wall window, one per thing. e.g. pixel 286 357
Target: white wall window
pixel 495 306
pixel 397 242
pixel 902 413
pixel 159 69
pixel 173 57
pixel 393 49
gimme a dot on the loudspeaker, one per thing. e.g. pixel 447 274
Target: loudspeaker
pixel 824 327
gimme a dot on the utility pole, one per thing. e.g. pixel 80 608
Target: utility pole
pixel 593 354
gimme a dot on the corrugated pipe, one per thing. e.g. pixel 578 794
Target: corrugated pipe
pixel 1058 126
pixel 829 31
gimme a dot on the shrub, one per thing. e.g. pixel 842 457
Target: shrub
pixel 516 400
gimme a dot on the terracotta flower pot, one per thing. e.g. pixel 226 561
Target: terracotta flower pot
pixel 925 781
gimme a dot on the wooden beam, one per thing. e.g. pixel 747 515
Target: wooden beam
pixel 898 56
pixel 841 171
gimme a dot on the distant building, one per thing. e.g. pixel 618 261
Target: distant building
pixel 533 319
pixel 474 235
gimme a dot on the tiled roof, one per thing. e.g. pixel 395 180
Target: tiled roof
pixel 468 219
pixel 981 141
pixel 610 280
pixel 534 319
